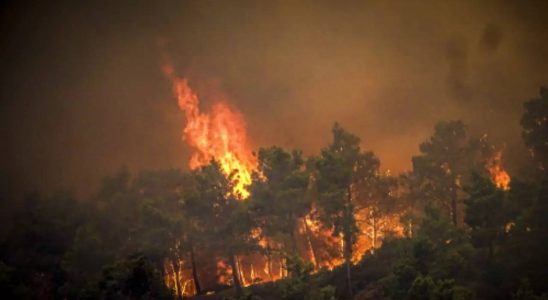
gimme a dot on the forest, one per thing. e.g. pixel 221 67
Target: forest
pixel 318 227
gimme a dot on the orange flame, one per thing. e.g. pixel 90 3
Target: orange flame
pixel 499 176
pixel 220 134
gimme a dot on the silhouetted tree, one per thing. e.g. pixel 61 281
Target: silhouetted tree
pixel 132 278
pixel 535 127
pixel 341 167
pixel 229 224
pixel 443 167
pixel 376 200
pixel 278 195
pixel 485 212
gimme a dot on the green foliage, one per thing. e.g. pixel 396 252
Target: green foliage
pixel 422 289
pixel 485 213
pixel 444 165
pixel 32 252
pixel 133 278
pixel 341 167
pixel 279 196
pixel 116 245
pixel 84 260
pixel 525 292
pixel 300 285
pixel 244 297
pixel 535 126
pixel 228 220
pixel 425 288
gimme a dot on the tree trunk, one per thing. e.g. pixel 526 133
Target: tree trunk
pixel 176 267
pixel 283 267
pixel 269 260
pixel 195 272
pixel 410 228
pixel 309 241
pixel 243 280
pixel 235 275
pixel 293 244
pixel 348 262
pixel 375 232
pixel 454 205
pixel 347 239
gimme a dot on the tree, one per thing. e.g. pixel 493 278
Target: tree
pixel 118 206
pixel 376 199
pixel 446 160
pixel 535 127
pixel 163 222
pixel 140 216
pixel 341 167
pixel 228 222
pixel 533 235
pixel 485 212
pixel 84 260
pixel 440 249
pixel 32 251
pixel 132 278
pixel 301 286
pixel 278 195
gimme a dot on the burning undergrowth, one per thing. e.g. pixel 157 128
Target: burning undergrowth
pixel 288 194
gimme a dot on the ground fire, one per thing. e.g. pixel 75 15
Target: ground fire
pixel 274 150
pixel 220 135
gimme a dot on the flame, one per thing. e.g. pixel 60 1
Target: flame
pixel 374 229
pixel 219 134
pixel 499 176
pixel 172 274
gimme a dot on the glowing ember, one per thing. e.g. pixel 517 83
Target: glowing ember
pixel 220 135
pixel 499 176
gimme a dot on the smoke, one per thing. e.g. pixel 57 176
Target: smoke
pixel 457 60
pixel 491 38
pixel 83 92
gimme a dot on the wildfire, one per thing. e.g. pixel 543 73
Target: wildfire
pixel 219 134
pixel 499 176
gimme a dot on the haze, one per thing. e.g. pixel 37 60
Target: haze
pixel 83 92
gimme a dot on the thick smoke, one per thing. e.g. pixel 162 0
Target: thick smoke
pixel 83 93
pixel 491 38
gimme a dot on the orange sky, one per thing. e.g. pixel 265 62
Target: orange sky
pixel 83 92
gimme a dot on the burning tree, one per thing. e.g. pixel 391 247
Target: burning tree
pixel 279 199
pixel 341 167
pixel 376 208
pixel 444 166
pixel 226 222
pixel 439 169
pixel 163 227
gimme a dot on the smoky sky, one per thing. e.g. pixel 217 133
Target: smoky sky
pixel 82 92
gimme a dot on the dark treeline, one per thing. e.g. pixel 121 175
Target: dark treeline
pixel 459 235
